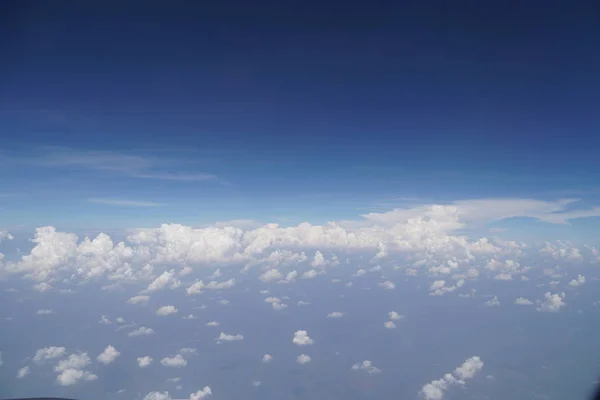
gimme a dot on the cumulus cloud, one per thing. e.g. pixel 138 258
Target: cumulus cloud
pixel 435 390
pixel 138 300
pixel 23 372
pixel 393 315
pixel 301 338
pixel 335 314
pixel 141 331
pixel 426 233
pixel 494 302
pixel 439 287
pixel 45 312
pixel 212 323
pixel 176 361
pixel 166 310
pixel 303 359
pixel 109 355
pixel 552 302
pixel 72 370
pixel 580 280
pixel 267 358
pixel 144 362
pixel 166 279
pixel 389 324
pixel 226 337
pixel 367 366
pixel 523 301
pixel 388 285
pixel 48 353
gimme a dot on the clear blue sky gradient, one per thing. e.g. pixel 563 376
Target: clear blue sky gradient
pixel 303 111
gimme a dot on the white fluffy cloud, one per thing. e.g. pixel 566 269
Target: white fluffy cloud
pixel 141 331
pixel 303 359
pixel 335 314
pixel 580 280
pixel 226 337
pixel 109 355
pixel 176 361
pixel 552 302
pixel 267 358
pixel 166 279
pixel 301 338
pixel 144 362
pixel 48 353
pixel 199 395
pixel 435 390
pixel 23 372
pixel 367 366
pixel 166 310
pixel 72 370
pixel 393 315
pixel 523 301
pixel 138 299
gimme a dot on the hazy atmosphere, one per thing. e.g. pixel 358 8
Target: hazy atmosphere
pixel 392 200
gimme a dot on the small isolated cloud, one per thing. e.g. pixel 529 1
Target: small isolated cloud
pixel 166 310
pixel 389 324
pixel 394 316
pixel 174 362
pixel 301 338
pixel 552 302
pixel 335 314
pixel 104 320
pixel 190 316
pixel 303 359
pixel 23 372
pixel 138 300
pixel 109 355
pixel 522 301
pixel 142 330
pixel 494 302
pixel 144 362
pixel 212 323
pixel 226 337
pixel 124 203
pixel 267 358
pixel 45 312
pixel 387 285
pixel 580 280
pixel 367 366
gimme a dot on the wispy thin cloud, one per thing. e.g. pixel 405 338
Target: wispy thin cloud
pixel 124 203
pixel 125 164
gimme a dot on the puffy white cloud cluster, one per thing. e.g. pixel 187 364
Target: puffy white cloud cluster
pixel 552 302
pixel 199 395
pixel 227 337
pixel 301 338
pixel 425 236
pixel 435 390
pixel 72 370
pixel 367 366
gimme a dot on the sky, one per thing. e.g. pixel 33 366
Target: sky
pixel 436 160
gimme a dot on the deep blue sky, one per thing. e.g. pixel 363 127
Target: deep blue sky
pixel 357 102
